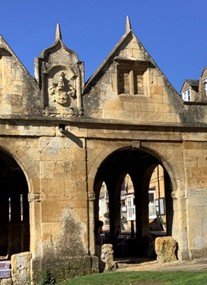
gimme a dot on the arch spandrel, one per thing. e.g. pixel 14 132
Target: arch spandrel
pixel 171 159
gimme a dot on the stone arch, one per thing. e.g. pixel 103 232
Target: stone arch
pixel 118 146
pixel 14 208
pixel 100 158
pixel 166 164
pixel 103 162
pixel 32 179
pixel 73 71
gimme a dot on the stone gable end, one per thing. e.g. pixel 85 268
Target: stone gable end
pixel 19 93
pixel 129 87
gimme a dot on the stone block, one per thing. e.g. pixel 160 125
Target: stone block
pixel 20 264
pixel 165 248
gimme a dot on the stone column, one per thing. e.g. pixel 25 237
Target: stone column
pixel 35 222
pixel 91 237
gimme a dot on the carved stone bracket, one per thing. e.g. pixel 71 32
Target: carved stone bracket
pixel 91 196
pixel 34 197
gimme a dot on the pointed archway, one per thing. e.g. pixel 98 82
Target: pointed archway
pixel 14 207
pixel 142 167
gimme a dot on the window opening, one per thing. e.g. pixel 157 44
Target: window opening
pixel 9 201
pixel 186 95
pixel 205 87
pixel 21 208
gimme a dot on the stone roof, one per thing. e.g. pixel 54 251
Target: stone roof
pixel 193 83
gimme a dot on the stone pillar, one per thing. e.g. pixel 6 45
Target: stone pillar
pixel 91 236
pixel 165 248
pixel 35 223
pixel 114 207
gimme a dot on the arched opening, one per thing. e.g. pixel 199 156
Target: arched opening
pixel 104 206
pixel 14 208
pixel 139 204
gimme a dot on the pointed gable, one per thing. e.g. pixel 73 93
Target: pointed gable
pixel 19 93
pixel 129 86
pixel 60 76
pixel 128 49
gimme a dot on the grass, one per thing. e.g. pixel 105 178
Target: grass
pixel 140 278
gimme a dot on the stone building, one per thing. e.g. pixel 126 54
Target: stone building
pixel 195 90
pixel 62 137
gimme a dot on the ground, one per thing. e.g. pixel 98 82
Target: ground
pixel 153 265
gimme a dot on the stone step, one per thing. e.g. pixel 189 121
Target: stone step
pixel 5 273
pixel 5 264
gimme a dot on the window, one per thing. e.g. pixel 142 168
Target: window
pixel 123 82
pixel 130 76
pixel 187 95
pixel 205 86
pixel 130 208
pixel 16 208
pixel 152 204
pixel 130 82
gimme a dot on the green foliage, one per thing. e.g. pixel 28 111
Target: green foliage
pixel 45 277
pixel 138 278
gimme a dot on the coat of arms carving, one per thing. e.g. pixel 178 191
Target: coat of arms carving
pixel 62 91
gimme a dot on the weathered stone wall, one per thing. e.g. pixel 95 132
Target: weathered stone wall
pixel 196 175
pixel 65 268
pixel 56 174
pixel 63 197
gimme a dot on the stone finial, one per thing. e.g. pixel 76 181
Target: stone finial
pixel 58 35
pixel 128 25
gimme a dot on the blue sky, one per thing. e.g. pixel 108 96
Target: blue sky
pixel 173 32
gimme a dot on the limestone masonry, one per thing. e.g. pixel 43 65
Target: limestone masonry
pixel 62 137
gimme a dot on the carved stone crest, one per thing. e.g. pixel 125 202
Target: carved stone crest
pixel 62 91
